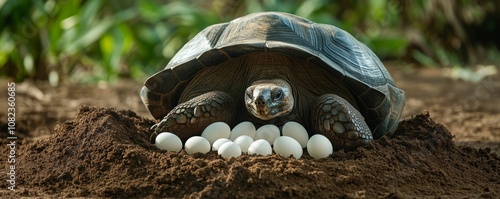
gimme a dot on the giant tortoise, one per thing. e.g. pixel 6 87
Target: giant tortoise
pixel 276 67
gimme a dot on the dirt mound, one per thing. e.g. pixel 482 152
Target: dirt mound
pixel 105 152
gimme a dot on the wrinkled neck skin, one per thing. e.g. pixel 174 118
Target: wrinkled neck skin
pixel 269 98
pixel 267 74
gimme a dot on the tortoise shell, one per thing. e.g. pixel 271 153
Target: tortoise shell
pixel 346 59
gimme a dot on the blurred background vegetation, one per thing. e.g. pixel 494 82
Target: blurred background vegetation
pixel 88 41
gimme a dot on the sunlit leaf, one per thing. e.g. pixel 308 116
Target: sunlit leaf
pixel 377 9
pixel 6 48
pixel 106 44
pixel 28 63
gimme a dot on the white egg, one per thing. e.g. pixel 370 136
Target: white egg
pixel 319 146
pixel 244 142
pixel 229 149
pixel 197 144
pixel 267 132
pixel 286 146
pixel 297 132
pixel 168 141
pixel 218 143
pixel 215 131
pixel 260 147
pixel 244 128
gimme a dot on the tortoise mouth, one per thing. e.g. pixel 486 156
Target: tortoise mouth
pixel 267 113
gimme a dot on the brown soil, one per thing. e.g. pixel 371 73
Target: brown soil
pixel 104 152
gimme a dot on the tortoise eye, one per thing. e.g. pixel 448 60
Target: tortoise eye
pixel 279 95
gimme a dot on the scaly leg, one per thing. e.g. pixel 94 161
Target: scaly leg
pixel 192 117
pixel 340 122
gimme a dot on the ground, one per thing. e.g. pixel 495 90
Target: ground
pixel 92 141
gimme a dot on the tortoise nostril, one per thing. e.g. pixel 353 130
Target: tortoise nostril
pixel 260 102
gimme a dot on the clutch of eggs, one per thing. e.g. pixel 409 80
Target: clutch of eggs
pixel 244 138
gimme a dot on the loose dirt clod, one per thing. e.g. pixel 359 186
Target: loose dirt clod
pixel 106 152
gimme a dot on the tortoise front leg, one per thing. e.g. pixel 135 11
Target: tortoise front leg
pixel 340 122
pixel 192 117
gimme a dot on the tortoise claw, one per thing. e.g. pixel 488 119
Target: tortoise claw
pixel 154 133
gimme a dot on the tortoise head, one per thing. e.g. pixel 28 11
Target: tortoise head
pixel 270 98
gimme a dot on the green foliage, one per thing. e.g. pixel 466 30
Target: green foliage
pixel 95 40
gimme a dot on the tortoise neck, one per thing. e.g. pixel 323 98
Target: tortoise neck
pixel 269 66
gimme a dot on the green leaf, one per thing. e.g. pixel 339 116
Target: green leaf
pixel 423 59
pixel 389 47
pixel 86 37
pixel 90 12
pixel 6 47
